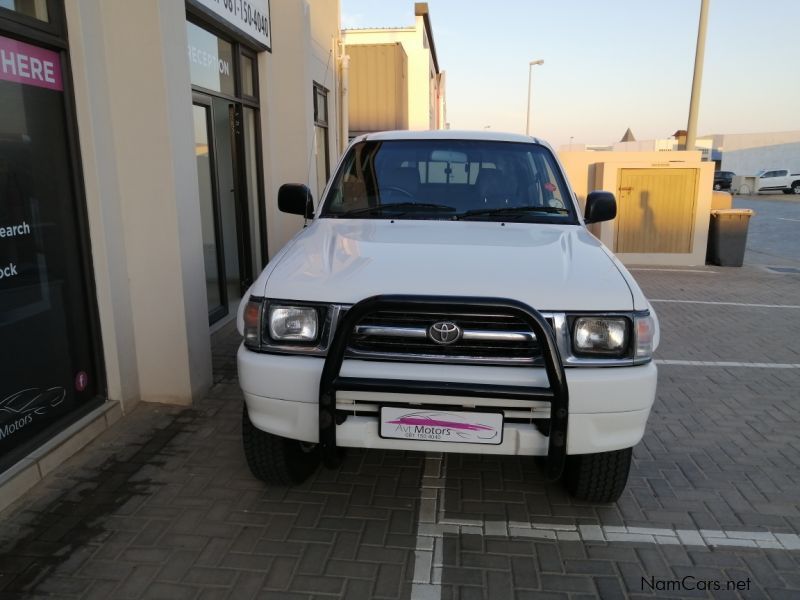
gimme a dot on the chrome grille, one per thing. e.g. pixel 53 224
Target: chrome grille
pixel 486 339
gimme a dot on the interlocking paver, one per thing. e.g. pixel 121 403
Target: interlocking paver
pixel 162 505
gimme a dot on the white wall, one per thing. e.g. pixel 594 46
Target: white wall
pixel 133 104
pixel 749 161
pixel 304 38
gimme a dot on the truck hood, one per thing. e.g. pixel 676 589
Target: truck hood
pixel 550 267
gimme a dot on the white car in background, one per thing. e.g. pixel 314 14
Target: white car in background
pixel 778 180
pixel 446 296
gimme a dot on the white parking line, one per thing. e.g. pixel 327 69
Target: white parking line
pixel 429 552
pixel 611 533
pixel 709 363
pixel 433 524
pixel 673 270
pixel 743 304
pixel 788 219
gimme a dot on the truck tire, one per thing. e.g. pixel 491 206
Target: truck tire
pixel 796 187
pixel 597 477
pixel 717 187
pixel 274 459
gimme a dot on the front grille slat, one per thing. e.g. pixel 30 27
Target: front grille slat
pixel 486 339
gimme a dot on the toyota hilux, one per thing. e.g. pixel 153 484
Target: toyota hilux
pixel 446 296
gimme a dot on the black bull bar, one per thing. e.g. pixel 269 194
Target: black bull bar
pixel 556 394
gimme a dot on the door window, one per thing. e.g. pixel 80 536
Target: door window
pixel 208 208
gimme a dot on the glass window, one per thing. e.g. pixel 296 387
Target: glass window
pixel 210 60
pixel 251 179
pixel 48 369
pixel 321 142
pixel 205 179
pixel 30 8
pixel 248 77
pixel 450 179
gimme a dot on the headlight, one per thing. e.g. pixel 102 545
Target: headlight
pixel 645 332
pixel 293 323
pixel 600 335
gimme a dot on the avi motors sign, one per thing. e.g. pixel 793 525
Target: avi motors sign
pixel 248 17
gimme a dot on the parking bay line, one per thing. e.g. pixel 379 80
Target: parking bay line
pixel 566 532
pixel 705 272
pixel 742 304
pixel 432 526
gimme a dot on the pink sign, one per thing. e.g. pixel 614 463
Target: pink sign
pixel 29 65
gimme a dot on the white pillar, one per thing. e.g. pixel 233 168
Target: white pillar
pixel 133 102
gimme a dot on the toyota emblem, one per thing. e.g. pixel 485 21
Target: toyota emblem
pixel 444 332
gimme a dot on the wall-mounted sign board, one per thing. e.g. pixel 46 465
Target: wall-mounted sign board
pixel 247 18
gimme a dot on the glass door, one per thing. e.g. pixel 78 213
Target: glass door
pixel 209 210
pixel 223 204
pixel 227 140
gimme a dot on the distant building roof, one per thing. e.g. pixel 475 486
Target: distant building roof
pixel 628 137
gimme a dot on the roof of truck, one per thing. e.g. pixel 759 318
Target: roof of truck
pixel 451 134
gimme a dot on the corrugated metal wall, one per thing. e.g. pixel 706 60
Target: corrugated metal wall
pixel 656 210
pixel 378 96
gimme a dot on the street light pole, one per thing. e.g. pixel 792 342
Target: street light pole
pixel 699 56
pixel 530 77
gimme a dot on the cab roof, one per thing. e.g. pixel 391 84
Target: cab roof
pixel 450 134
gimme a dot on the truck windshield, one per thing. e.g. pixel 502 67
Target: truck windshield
pixel 450 179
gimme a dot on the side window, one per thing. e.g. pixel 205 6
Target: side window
pixel 321 149
pixel 783 173
pixel 350 189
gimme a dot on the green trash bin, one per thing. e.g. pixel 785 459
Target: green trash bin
pixel 727 236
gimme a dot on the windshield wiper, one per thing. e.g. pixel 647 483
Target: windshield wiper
pixel 405 207
pixel 512 211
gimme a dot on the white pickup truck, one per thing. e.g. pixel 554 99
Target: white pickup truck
pixel 446 296
pixel 778 179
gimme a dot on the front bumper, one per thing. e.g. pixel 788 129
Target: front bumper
pixel 608 407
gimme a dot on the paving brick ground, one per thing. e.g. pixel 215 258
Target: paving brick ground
pixel 162 505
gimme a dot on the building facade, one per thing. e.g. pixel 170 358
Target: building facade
pixel 748 153
pixel 395 80
pixel 142 145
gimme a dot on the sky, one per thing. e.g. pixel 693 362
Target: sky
pixel 608 64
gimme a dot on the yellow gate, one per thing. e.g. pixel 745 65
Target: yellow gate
pixel 656 209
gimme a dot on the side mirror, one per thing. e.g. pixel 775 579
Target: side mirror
pixel 600 206
pixel 296 199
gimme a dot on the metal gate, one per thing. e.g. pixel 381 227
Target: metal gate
pixel 656 210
